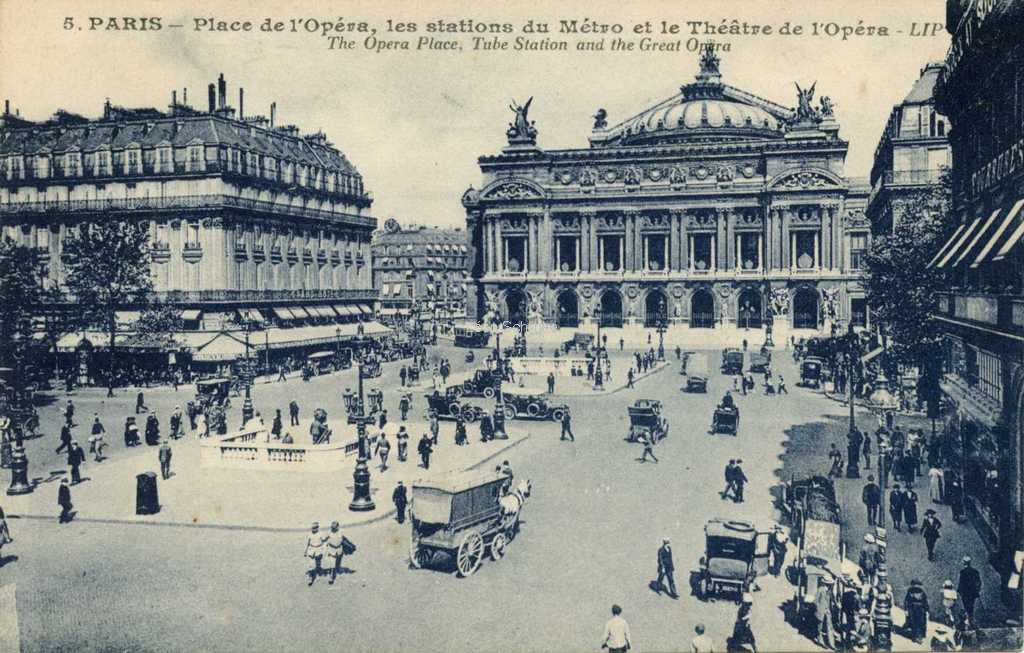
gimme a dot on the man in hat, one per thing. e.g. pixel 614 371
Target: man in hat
pixel 567 433
pixel 930 528
pixel 868 560
pixel 823 611
pixel 969 587
pixel 315 551
pixel 164 455
pixel 872 498
pixel 383 449
pixel 849 604
pixel 64 501
pixel 701 643
pixel 949 599
pixel 75 459
pixel 401 499
pixel 777 546
pixel 647 439
pixel 65 439
pixel 943 639
pixel 403 443
pixel 435 427
pixel 742 635
pixel 96 438
pixel 739 479
pixel 334 545
pixel 916 605
pixel 896 506
pixel 666 569
pixel 425 448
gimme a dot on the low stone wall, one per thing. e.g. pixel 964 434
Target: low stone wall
pixel 542 365
pixel 254 449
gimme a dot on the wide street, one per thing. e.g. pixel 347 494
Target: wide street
pixel 589 537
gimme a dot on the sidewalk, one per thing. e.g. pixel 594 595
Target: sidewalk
pixel 260 499
pixel 580 386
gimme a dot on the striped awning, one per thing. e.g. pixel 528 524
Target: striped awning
pixel 959 244
pixel 364 309
pixel 947 245
pixel 191 314
pixel 998 235
pixel 282 313
pixel 1017 215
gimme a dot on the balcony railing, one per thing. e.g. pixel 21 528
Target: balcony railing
pixel 193 296
pixel 179 202
pixel 1004 312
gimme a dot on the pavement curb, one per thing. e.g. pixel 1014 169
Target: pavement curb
pixel 242 527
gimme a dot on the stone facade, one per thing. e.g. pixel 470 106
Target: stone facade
pixel 712 209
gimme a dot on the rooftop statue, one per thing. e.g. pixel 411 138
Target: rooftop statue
pixel 827 109
pixel 804 110
pixel 521 130
pixel 600 119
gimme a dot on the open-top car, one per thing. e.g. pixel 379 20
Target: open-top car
pixel 731 548
pixel 531 406
pixel 214 392
pixel 732 361
pixel 810 372
pixel 449 406
pixel 482 383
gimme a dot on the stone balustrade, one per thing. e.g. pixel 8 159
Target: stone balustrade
pixel 254 449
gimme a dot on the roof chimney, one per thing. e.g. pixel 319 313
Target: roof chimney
pixel 222 92
pixel 184 99
pixel 213 97
pixel 241 103
pixel 174 98
pixel 273 113
pixel 7 107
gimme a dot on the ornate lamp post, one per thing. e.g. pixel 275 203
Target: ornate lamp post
pixel 19 461
pixel 854 438
pixel 499 397
pixel 597 316
pixel 247 408
pixel 362 501
pixel 662 327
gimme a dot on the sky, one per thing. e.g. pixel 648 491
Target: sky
pixel 415 122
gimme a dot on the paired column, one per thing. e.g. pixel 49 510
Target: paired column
pixel 592 238
pixel 785 250
pixel 585 244
pixel 731 248
pixel 826 238
pixel 684 243
pixel 499 246
pixel 721 240
pixel 546 241
pixel 673 241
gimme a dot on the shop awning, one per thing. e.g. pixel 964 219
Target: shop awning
pixel 282 313
pixel 346 310
pixel 1003 228
pixel 191 314
pixel 223 347
pixel 364 309
pixel 956 248
pixel 127 317
pixel 871 355
pixel 947 245
pixel 1015 237
pixel 250 315
pixel 325 311
pixel 983 231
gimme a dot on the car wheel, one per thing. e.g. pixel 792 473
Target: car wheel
pixel 489 392
pixel 510 412
pixel 557 415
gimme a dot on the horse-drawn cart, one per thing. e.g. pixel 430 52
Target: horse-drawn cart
pixel 464 516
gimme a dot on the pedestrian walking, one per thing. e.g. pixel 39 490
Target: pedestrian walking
pixel 281 374
pixel 315 551
pixel 622 343
pixel 276 426
pixel 293 412
pixel 403 443
pixel 739 479
pixel 910 509
pixel 97 443
pixel 425 448
pixel 896 506
pixel 435 427
pixel 616 631
pixel 629 378
pixel 647 440
pixel 403 374
pixel 954 496
pixel 382 450
pixel 65 438
pixel 486 428
pixel 871 496
pixel 382 419
pixel 164 455
pixel 866 450
pixel 935 484
pixel 334 547
pixel 202 426
pixel 666 569
pixel 69 413
pixel 567 433
pixel 930 531
pixel 730 486
pixel 782 386
pixel 400 498
pixel 140 403
pixel 64 501
pixel 969 587
pixel 916 605
pixel 75 459
pixel 778 544
pixel 836 459
pixel 403 406
pixel 460 431
pixel 701 643
pixel 949 600
pixel 823 612
pixel 742 634
pixel 869 558
pixel 152 430
pixel 551 383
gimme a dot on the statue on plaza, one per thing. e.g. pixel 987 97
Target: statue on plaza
pixel 521 129
pixel 318 430
pixel 600 119
pixel 804 110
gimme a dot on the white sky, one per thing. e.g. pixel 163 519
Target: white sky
pixel 415 123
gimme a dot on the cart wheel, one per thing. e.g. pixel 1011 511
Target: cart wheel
pixel 489 392
pixel 418 556
pixel 557 415
pixel 498 545
pixel 510 412
pixel 471 551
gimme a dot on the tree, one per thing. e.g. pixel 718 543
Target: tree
pixel 107 268
pixel 157 325
pixel 22 297
pixel 902 291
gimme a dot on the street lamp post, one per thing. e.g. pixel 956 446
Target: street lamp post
pixel 498 419
pixel 19 460
pixel 597 317
pixel 662 320
pixel 853 436
pixel 362 501
pixel 247 409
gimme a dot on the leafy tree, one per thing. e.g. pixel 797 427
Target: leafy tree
pixel 107 267
pixel 156 325
pixel 902 291
pixel 22 297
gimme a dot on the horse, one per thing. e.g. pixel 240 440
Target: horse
pixel 512 503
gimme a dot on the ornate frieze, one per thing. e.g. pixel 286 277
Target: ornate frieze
pixel 677 175
pixel 803 180
pixel 701 221
pixel 611 222
pixel 512 190
pixel 655 221
pixel 566 223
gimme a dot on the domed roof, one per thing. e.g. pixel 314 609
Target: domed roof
pixel 706 109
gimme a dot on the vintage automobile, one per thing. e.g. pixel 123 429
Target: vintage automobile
pixel 759 362
pixel 810 372
pixel 322 362
pixel 732 361
pixel 529 406
pixel 460 517
pixel 579 342
pixel 471 337
pixel 344 359
pixel 695 368
pixel 731 548
pixel 818 348
pixel 448 406
pixel 726 419
pixel 817 526
pixel 214 392
pixel 645 418
pixel 483 383
pixel 371 368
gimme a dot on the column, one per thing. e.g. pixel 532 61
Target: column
pixel 546 236
pixel 826 238
pixel 530 262
pixel 684 243
pixel 592 221
pixel 576 250
pixel 767 243
pixel 838 255
pixel 721 241
pixel 584 245
pixel 638 241
pixel 817 250
pixel 558 251
pixel 732 255
pixel 499 246
pixel 672 261
pixel 647 254
pixel 627 221
pixel 785 243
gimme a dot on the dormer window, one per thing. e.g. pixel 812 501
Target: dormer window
pixel 72 164
pixel 42 166
pixel 164 159
pixel 269 167
pixel 196 159
pixel 303 175
pixel 102 163
pixel 133 162
pixel 289 172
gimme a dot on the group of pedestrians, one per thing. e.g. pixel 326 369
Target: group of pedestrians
pixel 735 480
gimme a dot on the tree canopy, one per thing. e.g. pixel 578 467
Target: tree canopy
pixel 22 296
